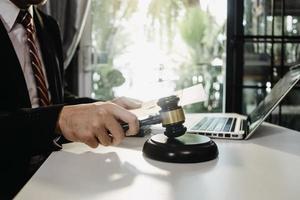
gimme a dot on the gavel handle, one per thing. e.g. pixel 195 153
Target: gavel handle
pixel 155 119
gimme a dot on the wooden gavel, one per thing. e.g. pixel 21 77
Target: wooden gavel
pixel 171 116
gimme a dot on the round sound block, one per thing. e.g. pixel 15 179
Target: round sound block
pixel 189 148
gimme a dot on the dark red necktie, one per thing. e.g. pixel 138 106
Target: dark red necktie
pixel 25 19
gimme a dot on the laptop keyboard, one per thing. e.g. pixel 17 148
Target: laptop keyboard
pixel 220 124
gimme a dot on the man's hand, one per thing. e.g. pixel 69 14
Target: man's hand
pixel 127 103
pixel 96 123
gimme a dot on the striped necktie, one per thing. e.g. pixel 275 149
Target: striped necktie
pixel 25 19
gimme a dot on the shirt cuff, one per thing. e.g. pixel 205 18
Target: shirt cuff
pixel 56 142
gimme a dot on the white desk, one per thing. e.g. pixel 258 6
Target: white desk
pixel 265 167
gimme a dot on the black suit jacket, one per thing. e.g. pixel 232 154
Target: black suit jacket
pixel 25 131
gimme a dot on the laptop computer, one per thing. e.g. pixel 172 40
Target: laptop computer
pixel 236 126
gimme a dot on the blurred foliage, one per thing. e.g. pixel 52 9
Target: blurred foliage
pixel 168 20
pixel 108 16
pixel 106 79
pixel 194 27
pixel 200 32
pixel 164 15
pixel 109 41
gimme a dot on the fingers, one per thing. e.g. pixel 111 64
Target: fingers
pixel 133 103
pixel 129 118
pixel 103 137
pixel 96 123
pixel 128 103
pixel 114 127
pixel 133 127
pixel 92 142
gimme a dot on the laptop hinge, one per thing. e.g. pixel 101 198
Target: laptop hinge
pixel 246 123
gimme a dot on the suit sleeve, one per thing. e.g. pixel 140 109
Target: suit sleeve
pixel 31 130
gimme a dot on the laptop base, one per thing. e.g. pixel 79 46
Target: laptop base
pixel 189 148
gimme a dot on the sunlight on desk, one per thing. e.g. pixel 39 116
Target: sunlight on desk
pixel 260 168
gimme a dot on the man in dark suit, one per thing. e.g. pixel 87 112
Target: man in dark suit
pixel 35 110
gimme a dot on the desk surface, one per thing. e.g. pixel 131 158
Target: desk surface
pixel 264 167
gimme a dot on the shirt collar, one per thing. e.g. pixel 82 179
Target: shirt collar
pixel 9 13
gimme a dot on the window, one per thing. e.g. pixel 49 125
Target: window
pixel 146 49
pixel 266 41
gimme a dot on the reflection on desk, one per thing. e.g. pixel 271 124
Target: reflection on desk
pixel 264 167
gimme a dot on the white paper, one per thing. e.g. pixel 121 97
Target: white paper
pixel 187 96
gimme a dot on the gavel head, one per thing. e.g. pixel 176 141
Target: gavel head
pixel 172 116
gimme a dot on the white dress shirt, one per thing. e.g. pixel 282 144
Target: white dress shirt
pixel 18 37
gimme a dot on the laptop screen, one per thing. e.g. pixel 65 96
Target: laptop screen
pixel 278 92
